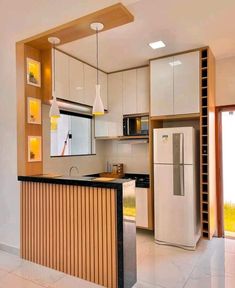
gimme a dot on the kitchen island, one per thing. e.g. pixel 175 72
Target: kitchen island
pixel 82 226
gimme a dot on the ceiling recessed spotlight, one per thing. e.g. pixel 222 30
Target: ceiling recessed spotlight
pixel 157 45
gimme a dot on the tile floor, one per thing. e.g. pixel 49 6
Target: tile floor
pixel 212 265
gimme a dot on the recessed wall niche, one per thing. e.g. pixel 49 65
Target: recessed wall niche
pixel 34 148
pixel 33 72
pixel 34 111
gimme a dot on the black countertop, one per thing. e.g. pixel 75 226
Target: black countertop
pixel 141 180
pixel 79 181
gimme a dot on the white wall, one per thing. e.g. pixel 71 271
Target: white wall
pixel 61 165
pixel 225 81
pixel 19 20
pixel 135 157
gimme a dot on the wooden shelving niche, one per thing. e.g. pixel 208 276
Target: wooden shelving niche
pixel 204 141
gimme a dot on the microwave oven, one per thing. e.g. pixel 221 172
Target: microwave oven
pixel 136 125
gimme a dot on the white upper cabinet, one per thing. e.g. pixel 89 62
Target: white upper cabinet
pixel 129 92
pixel 110 125
pixel 89 84
pixel 161 73
pixel 175 85
pixel 76 81
pixel 142 77
pixel 104 88
pixel 61 75
pixel 186 83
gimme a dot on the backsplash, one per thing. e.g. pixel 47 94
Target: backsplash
pixel 135 157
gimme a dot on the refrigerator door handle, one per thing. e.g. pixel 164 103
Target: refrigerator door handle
pixel 178 180
pixel 178 164
pixel 181 180
pixel 181 148
pixel 178 148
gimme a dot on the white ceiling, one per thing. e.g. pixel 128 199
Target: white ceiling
pixel 181 24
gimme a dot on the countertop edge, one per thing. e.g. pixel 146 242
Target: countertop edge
pixel 76 182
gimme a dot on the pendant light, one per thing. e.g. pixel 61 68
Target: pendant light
pixel 54 110
pixel 98 107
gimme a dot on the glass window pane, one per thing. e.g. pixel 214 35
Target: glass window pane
pixel 71 135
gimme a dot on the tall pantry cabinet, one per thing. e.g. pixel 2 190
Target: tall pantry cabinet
pixel 183 90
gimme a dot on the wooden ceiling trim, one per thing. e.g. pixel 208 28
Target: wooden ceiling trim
pixel 112 16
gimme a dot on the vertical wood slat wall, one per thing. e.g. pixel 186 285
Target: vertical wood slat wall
pixel 71 229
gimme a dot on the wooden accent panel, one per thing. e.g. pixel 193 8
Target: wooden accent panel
pixel 112 16
pixel 46 66
pixel 23 128
pixel 71 229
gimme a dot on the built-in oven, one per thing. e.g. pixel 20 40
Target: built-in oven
pixel 136 125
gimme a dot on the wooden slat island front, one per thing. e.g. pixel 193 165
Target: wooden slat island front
pixel 78 226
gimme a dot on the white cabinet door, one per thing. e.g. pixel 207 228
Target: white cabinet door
pixel 129 92
pixel 61 75
pixel 143 90
pixel 104 88
pixel 110 125
pixel 115 92
pixel 161 74
pixel 141 207
pixel 76 81
pixel 89 84
pixel 186 83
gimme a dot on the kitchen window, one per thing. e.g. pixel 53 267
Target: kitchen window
pixel 71 135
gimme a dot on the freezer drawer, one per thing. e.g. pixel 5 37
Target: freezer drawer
pixel 175 213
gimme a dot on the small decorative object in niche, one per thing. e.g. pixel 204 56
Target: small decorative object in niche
pixel 34 111
pixel 34 149
pixel 33 72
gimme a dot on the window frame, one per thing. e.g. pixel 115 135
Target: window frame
pixel 77 114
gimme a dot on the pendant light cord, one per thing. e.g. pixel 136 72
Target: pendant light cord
pixel 53 48
pixel 97 55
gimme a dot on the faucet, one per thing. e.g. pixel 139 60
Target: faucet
pixel 71 169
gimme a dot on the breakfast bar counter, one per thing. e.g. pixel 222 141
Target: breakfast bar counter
pixel 83 226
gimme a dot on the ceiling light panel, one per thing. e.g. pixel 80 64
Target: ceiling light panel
pixel 157 45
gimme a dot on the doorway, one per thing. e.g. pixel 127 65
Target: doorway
pixel 226 143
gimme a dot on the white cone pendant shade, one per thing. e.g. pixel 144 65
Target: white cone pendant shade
pixel 54 110
pixel 98 107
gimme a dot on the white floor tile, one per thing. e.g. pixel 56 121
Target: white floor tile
pixel 38 274
pixel 210 266
pixel 211 282
pixel 141 284
pixel 2 273
pixel 71 282
pixel 13 281
pixel 9 262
